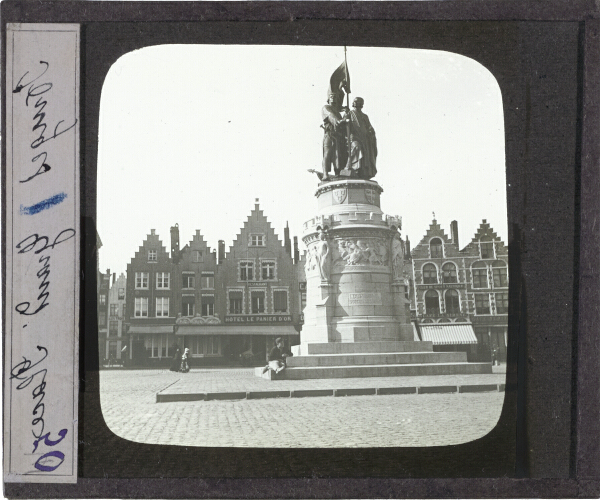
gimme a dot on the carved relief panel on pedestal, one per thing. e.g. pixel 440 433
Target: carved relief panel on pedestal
pixel 360 252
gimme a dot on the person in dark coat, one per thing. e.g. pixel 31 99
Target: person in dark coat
pixel 276 359
pixel 176 363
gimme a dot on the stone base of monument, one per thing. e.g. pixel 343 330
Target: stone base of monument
pixel 373 359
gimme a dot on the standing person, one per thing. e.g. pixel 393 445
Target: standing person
pixel 176 363
pixel 276 359
pixel 185 367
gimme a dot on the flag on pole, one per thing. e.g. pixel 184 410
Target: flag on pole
pixel 340 81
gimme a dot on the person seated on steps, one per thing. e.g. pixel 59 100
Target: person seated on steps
pixel 276 358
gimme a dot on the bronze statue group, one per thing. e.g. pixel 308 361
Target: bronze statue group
pixel 349 141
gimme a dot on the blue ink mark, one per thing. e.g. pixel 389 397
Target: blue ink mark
pixel 43 205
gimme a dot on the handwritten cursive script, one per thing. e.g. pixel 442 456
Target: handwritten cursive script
pixel 23 373
pixel 42 243
pixel 35 94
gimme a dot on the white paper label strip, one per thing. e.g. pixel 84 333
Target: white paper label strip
pixel 42 253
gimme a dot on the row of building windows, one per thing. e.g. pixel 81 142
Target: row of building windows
pixel 236 301
pixel 162 345
pixel 163 280
pixel 452 302
pixel 268 270
pixel 486 248
pixel 235 304
pixel 479 272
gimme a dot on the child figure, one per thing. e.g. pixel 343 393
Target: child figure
pixel 185 367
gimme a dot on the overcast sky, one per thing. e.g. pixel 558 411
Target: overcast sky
pixel 192 134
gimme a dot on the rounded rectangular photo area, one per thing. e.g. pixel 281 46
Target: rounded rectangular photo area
pixel 301 247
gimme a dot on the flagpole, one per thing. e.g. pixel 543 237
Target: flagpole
pixel 348 163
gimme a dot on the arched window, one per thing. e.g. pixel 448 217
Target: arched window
pixel 479 272
pixel 452 302
pixel 500 272
pixel 486 247
pixel 449 273
pixel 432 302
pixel 436 248
pixel 429 274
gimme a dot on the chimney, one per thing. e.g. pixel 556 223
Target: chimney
pixel 286 240
pixel 296 251
pixel 454 232
pixel 214 254
pixel 407 246
pixel 175 243
pixel 221 251
pixel 114 278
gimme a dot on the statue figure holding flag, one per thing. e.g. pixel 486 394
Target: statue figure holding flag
pixel 349 141
pixel 335 149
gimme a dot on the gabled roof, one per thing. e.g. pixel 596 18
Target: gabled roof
pixel 421 250
pixel 196 243
pixel 256 223
pixel 152 242
pixel 485 230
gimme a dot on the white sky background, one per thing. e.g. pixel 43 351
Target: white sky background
pixel 192 134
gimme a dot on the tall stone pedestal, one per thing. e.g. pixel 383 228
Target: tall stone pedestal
pixel 354 270
pixel 357 315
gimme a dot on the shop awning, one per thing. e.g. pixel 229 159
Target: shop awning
pixel 449 334
pixel 151 329
pixel 236 330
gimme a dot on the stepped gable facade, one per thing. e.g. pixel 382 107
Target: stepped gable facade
pixel 223 308
pixel 261 298
pixel 464 293
pixel 152 297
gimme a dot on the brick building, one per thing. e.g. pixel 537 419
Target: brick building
pixel 117 339
pixel 459 298
pixel 219 306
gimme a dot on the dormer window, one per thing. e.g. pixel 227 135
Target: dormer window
pixel 436 248
pixel 257 240
pixel 152 256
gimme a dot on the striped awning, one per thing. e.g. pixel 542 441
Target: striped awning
pixel 448 334
pixel 151 329
pixel 236 330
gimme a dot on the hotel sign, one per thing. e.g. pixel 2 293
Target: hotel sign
pixel 259 318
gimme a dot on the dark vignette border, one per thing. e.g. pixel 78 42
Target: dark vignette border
pixel 542 118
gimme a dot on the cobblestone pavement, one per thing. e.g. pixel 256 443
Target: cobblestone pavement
pixel 129 408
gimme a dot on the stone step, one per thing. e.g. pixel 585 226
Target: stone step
pixel 395 358
pixel 399 370
pixel 363 347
